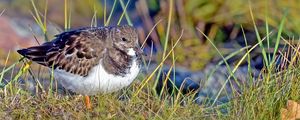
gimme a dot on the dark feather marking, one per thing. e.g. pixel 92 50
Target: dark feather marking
pixel 80 55
pixel 70 50
pixel 66 44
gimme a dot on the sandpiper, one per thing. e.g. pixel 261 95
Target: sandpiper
pixel 91 60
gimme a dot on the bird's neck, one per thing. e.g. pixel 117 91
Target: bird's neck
pixel 117 62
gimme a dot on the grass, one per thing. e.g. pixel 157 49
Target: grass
pixel 260 99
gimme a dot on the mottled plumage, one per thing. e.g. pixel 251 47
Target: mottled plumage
pixel 77 56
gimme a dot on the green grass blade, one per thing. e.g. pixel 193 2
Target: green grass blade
pixel 125 12
pixel 226 58
pixel 2 73
pixel 20 73
pixel 223 58
pixel 278 37
pixel 38 18
pixel 234 70
pixel 104 13
pixel 264 53
pixel 171 5
pixel 249 57
pixel 267 29
pixel 158 67
pixel 12 66
pixel 66 6
pixel 111 12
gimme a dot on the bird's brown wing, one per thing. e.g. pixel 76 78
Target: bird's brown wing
pixel 74 51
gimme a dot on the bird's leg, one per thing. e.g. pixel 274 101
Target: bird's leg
pixel 87 102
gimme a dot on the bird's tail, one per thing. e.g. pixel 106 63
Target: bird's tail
pixel 37 53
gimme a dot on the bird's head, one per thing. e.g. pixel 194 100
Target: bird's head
pixel 125 39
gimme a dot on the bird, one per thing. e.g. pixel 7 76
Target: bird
pixel 91 60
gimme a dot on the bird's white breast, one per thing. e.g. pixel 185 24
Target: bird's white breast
pixel 97 81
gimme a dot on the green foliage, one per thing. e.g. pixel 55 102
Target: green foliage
pixel 188 54
pixel 222 12
pixel 213 17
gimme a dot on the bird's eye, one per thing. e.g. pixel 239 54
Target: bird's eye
pixel 124 39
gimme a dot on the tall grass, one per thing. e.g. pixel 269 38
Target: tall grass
pixel 261 99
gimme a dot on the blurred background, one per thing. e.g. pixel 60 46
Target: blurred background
pixel 220 20
pixel 223 21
